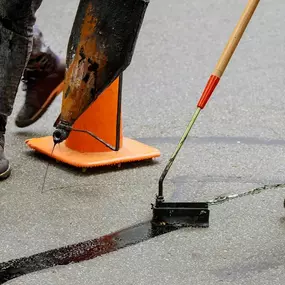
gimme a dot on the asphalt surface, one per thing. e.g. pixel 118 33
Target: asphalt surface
pixel 237 144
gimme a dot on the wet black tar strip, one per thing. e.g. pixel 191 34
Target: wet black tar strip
pixel 81 251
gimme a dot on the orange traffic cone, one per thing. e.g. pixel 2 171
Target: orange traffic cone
pixel 102 118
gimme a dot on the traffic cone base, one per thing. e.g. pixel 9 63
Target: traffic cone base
pixel 102 118
pixel 130 151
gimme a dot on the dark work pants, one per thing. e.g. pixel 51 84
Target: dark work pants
pixel 20 43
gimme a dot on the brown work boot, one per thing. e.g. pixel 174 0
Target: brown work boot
pixel 41 87
pixel 5 169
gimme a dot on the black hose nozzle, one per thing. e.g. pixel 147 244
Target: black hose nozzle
pixel 61 133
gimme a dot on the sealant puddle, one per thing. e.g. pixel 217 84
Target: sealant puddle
pixel 81 251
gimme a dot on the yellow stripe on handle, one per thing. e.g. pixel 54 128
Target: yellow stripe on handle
pixel 235 38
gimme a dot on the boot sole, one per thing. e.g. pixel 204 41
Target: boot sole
pixel 44 108
pixel 5 174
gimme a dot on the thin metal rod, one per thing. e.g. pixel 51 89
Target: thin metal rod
pixel 45 176
pixel 179 146
pixel 95 137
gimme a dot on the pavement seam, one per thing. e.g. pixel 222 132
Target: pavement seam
pixel 225 198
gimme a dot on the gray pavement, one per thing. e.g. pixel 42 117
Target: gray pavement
pixel 237 144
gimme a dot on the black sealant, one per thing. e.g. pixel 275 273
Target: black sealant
pixel 81 251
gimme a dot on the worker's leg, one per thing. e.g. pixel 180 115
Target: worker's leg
pixel 17 18
pixel 41 78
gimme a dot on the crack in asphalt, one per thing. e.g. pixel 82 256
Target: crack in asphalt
pixel 225 198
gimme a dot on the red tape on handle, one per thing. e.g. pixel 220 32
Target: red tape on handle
pixel 208 91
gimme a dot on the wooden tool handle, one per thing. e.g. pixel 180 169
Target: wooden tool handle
pixel 235 37
pixel 228 52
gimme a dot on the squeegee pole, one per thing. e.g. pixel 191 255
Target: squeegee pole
pixel 179 146
pixel 213 81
